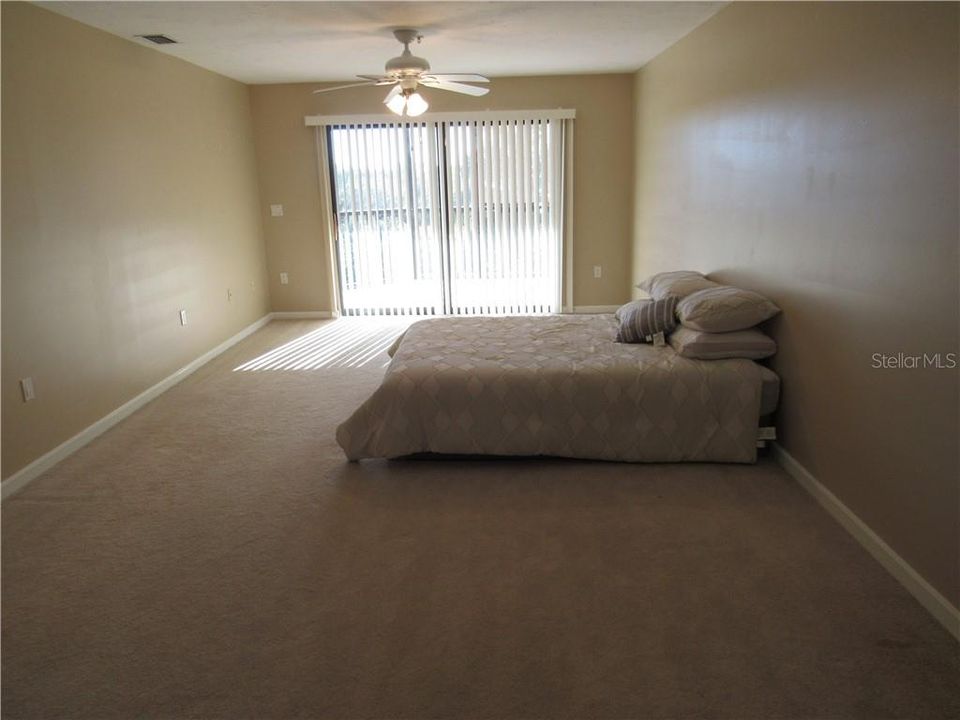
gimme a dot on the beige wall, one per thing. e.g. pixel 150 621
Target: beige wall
pixel 129 192
pixel 297 244
pixel 809 151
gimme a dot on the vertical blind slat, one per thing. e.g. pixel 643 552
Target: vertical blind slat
pixel 482 249
pixel 488 219
pixel 506 207
pixel 457 244
pixel 467 208
pixel 430 133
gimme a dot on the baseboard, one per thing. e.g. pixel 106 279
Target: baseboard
pixel 304 315
pixel 594 309
pixel 928 596
pixel 19 479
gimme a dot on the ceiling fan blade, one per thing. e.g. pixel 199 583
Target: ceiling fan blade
pixel 466 77
pixel 343 87
pixel 379 79
pixel 392 94
pixel 455 87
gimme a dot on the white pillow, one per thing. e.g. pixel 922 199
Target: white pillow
pixel 724 309
pixel 678 283
pixel 750 344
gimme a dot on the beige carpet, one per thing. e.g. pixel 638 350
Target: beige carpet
pixel 214 557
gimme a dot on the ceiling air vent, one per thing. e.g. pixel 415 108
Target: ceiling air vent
pixel 159 39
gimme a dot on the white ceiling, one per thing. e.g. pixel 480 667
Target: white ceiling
pixel 273 42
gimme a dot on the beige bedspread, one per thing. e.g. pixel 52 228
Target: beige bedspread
pixel 555 385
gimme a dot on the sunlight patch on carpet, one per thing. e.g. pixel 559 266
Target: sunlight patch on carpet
pixel 347 342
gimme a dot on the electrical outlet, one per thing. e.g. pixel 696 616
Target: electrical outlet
pixel 284 279
pixel 26 387
pixel 229 295
pixel 276 211
pixel 253 285
pixel 597 271
pixel 183 317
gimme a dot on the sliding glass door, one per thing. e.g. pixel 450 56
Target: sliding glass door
pixel 448 218
pixel 385 191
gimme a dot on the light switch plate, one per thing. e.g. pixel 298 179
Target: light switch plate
pixel 597 271
pixel 276 211
pixel 183 317
pixel 26 387
pixel 284 279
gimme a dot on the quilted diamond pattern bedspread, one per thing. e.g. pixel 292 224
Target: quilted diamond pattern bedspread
pixel 556 385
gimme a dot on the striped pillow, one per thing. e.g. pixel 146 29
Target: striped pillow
pixel 640 320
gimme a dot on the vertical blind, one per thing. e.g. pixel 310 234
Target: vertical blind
pixel 461 217
pixel 505 198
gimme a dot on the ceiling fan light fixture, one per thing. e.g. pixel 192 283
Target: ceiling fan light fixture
pixel 397 103
pixel 416 105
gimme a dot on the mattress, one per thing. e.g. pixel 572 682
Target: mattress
pixel 555 385
pixel 769 385
pixel 769 391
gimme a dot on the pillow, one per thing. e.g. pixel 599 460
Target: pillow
pixel 678 283
pixel 724 309
pixel 640 320
pixel 750 344
pixel 628 307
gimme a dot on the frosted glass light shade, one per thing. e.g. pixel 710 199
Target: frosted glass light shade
pixel 397 104
pixel 416 105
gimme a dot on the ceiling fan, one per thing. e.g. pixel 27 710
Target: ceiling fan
pixel 406 72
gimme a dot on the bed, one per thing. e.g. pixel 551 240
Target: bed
pixel 555 385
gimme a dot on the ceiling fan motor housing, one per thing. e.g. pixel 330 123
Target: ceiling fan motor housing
pixel 407 64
